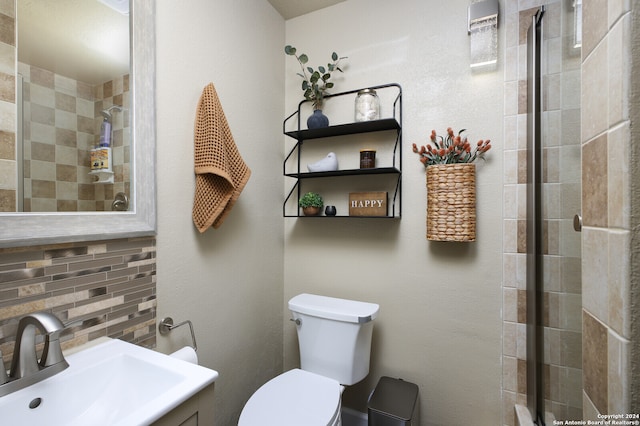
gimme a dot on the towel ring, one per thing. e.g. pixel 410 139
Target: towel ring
pixel 166 325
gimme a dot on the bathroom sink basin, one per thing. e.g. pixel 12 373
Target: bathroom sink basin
pixel 114 383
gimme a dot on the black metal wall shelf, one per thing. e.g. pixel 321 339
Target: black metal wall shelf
pixel 348 172
pixel 346 129
pixel 386 124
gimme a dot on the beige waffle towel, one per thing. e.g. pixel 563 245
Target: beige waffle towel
pixel 221 174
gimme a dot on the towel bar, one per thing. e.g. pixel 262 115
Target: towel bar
pixel 166 325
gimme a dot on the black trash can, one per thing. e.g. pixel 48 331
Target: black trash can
pixel 394 402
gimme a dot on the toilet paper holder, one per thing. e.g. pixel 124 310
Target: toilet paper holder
pixel 166 325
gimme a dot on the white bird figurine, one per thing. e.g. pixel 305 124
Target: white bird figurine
pixel 327 164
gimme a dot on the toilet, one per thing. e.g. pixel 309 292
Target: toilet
pixel 334 338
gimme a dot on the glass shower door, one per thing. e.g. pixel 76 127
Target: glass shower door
pixel 557 187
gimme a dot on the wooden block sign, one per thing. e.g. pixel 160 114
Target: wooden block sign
pixel 367 204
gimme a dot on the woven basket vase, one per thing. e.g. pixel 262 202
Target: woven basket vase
pixel 451 202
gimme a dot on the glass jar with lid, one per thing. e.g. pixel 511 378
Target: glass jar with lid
pixel 367 105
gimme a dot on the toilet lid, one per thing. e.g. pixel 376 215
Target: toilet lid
pixel 294 398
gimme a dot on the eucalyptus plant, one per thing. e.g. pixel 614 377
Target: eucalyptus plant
pixel 315 82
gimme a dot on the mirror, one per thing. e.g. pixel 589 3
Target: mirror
pixel 73 104
pixel 20 229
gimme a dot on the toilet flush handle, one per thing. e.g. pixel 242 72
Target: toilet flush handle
pixel 298 321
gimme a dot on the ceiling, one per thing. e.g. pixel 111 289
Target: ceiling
pixel 80 39
pixel 87 41
pixel 292 8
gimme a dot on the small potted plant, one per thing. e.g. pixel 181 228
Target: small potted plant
pixel 315 84
pixel 311 204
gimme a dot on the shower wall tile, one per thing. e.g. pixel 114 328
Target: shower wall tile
pixel 510 236
pixel 510 373
pixel 522 236
pixel 595 18
pixel 618 385
pixel 570 308
pixel 65 102
pixel 595 268
pixel 67 111
pixel 595 182
pixel 510 303
pixel 521 366
pixel 590 412
pixel 572 275
pixel 7 29
pixel 552 24
pixel 619 295
pixel 66 155
pixel 616 9
pixel 522 97
pixel 619 185
pixel 7 174
pixel 510 201
pixel 41 95
pixel 65 85
pixel 7 53
pixel 522 166
pixel 524 22
pixel 570 126
pixel 7 145
pixel 510 133
pixel 509 339
pixel 618 44
pixel 66 137
pixel 509 417
pixel 552 130
pixel 42 171
pixel 571 349
pixel 510 167
pixel 43 152
pixel 7 87
pixel 595 350
pixel 511 98
pixel 43 115
pixel 594 99
pixel 552 270
pixel 551 92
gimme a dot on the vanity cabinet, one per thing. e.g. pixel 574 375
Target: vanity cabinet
pixel 195 411
pixel 348 139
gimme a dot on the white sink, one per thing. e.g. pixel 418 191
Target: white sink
pixel 113 383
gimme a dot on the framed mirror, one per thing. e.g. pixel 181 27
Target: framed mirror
pixel 21 229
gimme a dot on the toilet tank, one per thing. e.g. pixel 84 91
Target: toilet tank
pixel 334 336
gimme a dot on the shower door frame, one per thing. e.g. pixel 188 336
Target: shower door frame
pixel 535 337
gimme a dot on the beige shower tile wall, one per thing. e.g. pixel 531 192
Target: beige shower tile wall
pixel 606 201
pixel 561 245
pixel 8 184
pixel 114 92
pixel 62 124
pixel 514 385
pixel 105 288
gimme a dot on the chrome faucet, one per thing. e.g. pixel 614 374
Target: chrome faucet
pixel 25 367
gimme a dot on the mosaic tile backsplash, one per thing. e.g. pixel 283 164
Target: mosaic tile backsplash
pixel 104 288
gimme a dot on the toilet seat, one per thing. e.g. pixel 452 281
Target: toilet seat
pixel 294 398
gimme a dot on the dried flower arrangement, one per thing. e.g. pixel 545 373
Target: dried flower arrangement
pixel 451 149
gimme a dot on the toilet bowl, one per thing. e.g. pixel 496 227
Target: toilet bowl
pixel 295 398
pixel 334 338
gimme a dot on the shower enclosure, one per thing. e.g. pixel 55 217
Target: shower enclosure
pixel 554 340
pixel 59 122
